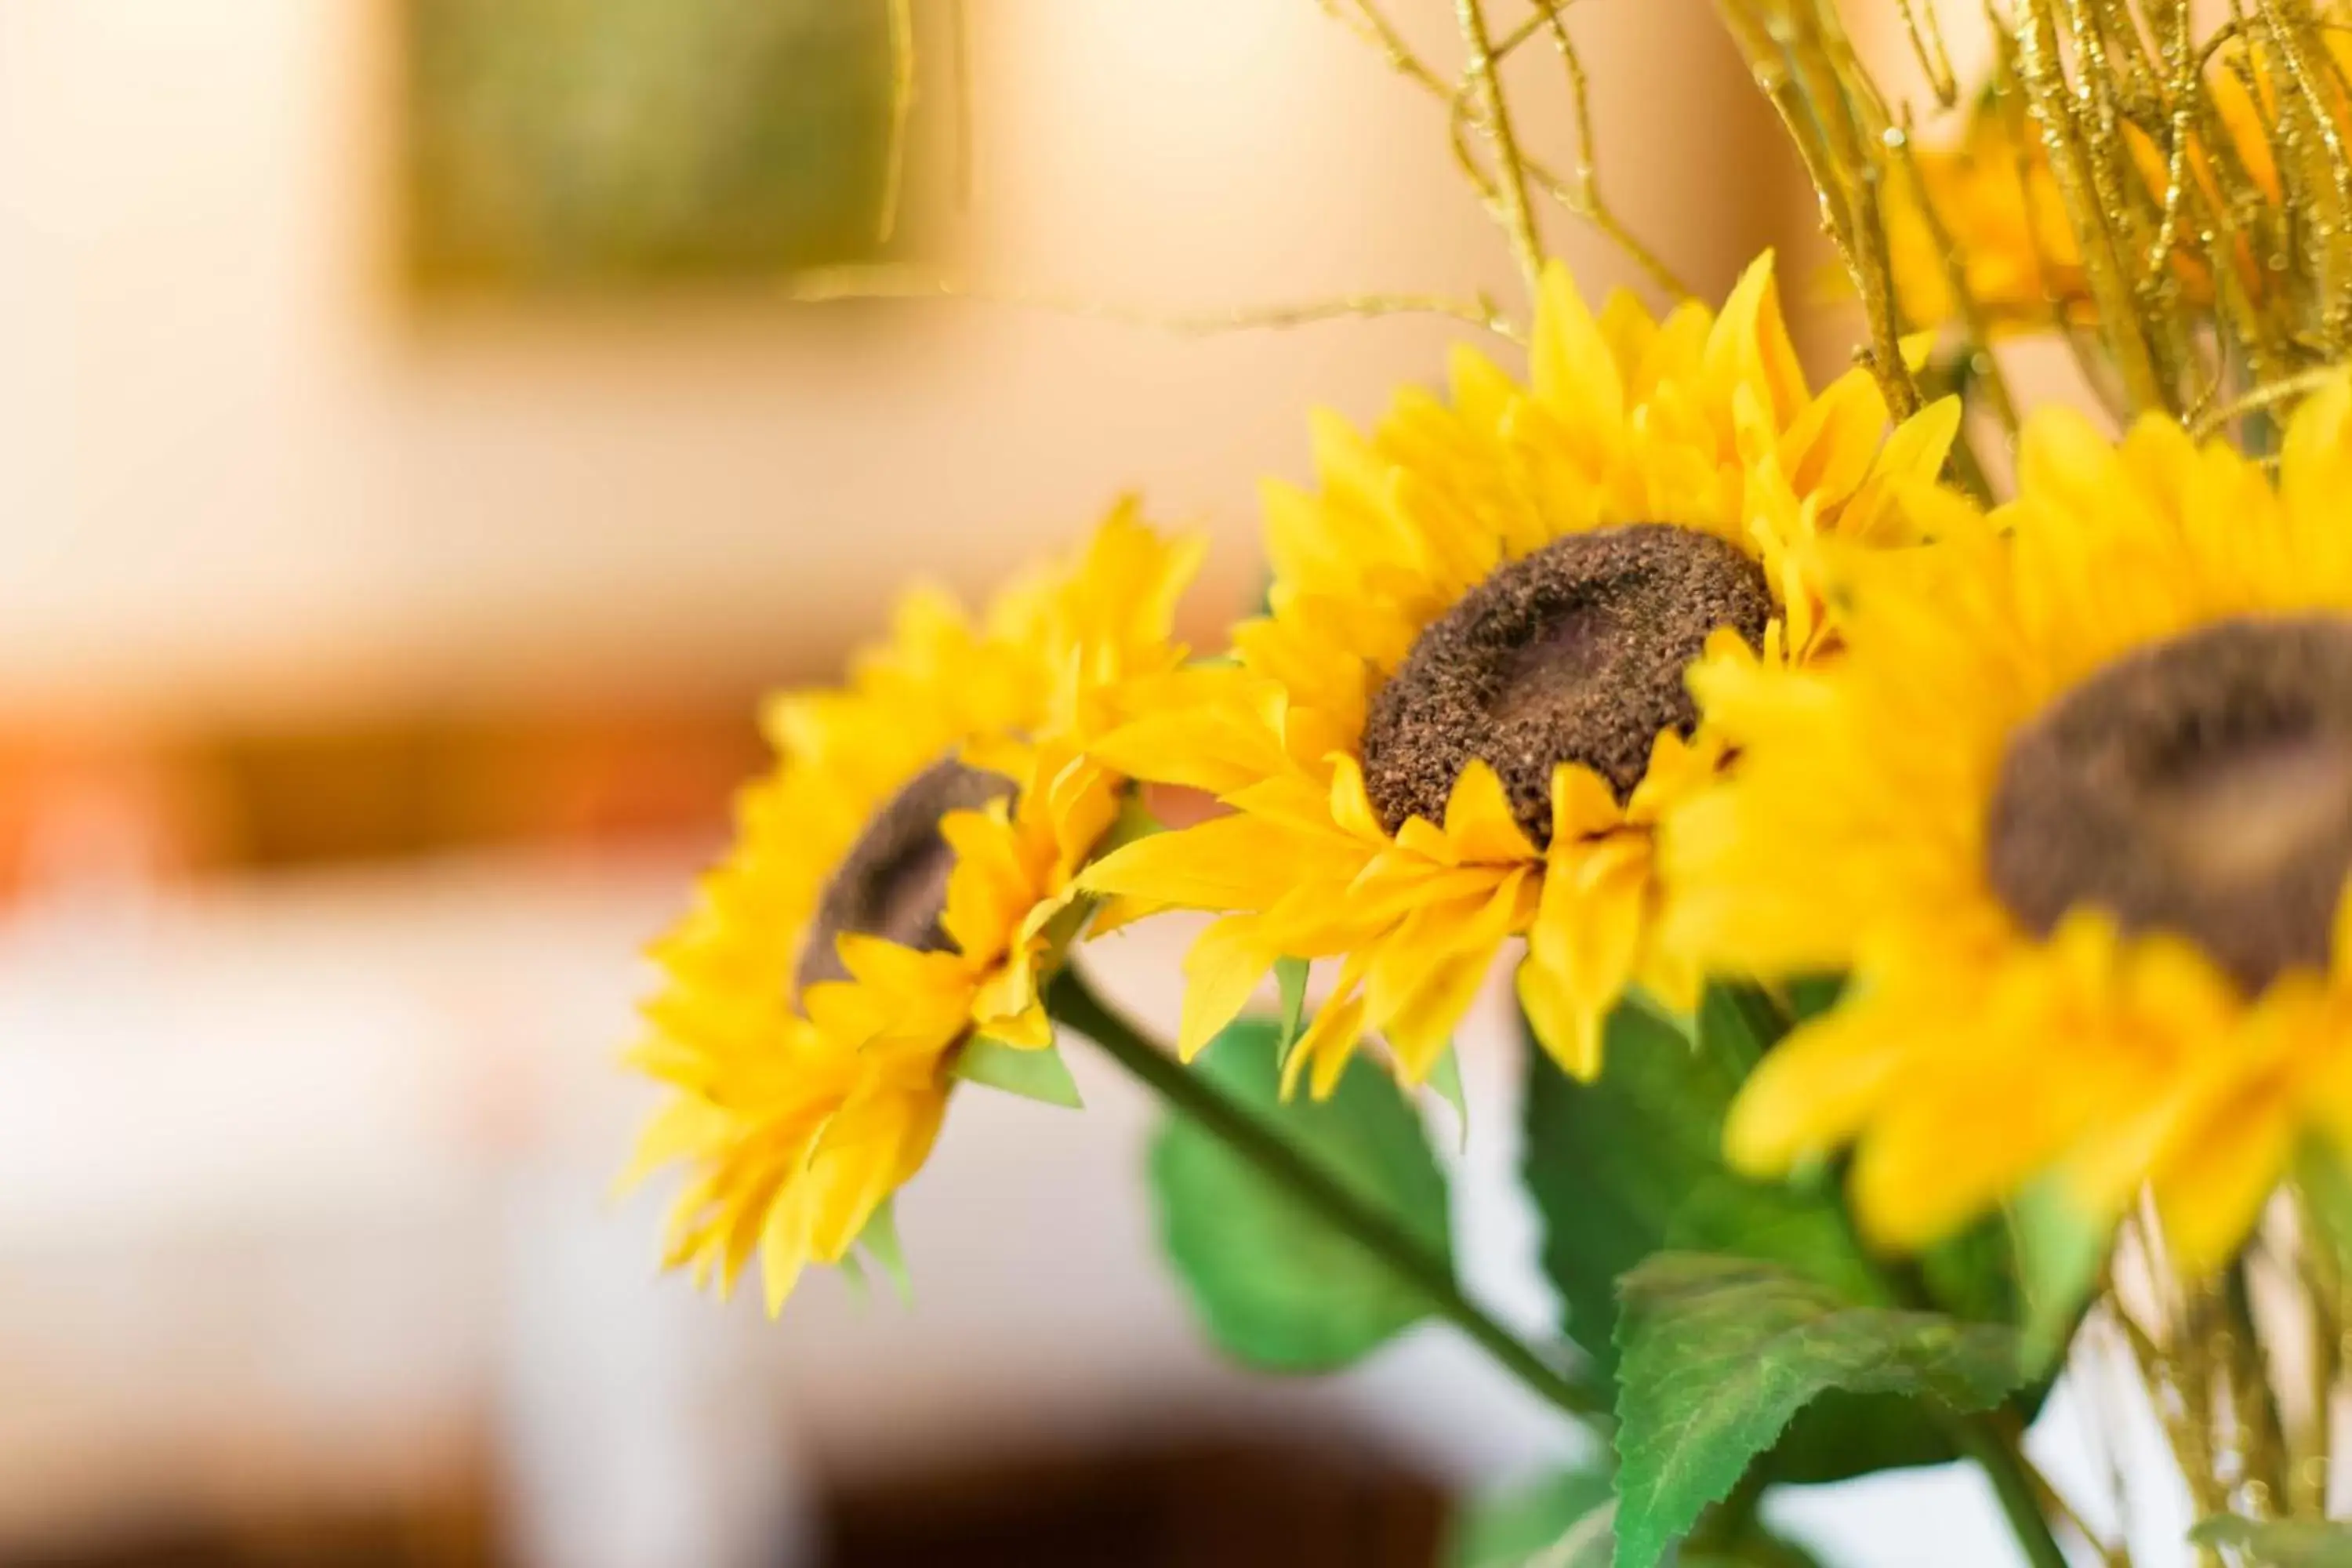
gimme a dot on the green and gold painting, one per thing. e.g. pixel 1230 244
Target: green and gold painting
pixel 591 145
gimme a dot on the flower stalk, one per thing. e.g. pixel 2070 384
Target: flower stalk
pixel 1074 1003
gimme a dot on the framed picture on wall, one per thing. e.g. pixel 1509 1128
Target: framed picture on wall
pixel 564 146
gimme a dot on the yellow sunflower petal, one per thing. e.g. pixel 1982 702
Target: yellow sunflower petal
pixel 1973 1053
pixel 1700 420
pixel 1584 943
pixel 799 1107
pixel 1227 963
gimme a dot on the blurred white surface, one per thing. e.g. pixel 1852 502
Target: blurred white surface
pixel 315 1174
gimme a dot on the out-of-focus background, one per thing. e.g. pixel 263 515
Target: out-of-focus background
pixel 411 468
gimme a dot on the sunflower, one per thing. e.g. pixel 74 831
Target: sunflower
pixel 901 883
pixel 1464 711
pixel 2004 223
pixel 2074 811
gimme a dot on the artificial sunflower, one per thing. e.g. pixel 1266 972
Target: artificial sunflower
pixel 1464 711
pixel 1989 207
pixel 901 884
pixel 2074 811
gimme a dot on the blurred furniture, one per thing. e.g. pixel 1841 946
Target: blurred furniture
pixel 1205 1504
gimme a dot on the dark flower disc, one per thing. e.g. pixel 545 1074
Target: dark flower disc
pixel 2203 786
pixel 1575 653
pixel 893 883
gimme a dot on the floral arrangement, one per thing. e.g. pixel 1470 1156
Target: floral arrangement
pixel 1916 822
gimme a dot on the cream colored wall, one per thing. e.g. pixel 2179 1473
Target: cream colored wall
pixel 236 476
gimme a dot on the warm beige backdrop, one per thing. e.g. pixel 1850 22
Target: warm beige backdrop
pixel 237 482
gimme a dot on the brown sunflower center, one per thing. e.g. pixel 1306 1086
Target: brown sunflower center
pixel 2202 786
pixel 1574 654
pixel 893 883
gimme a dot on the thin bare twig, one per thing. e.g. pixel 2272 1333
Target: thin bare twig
pixel 1365 19
pixel 831 285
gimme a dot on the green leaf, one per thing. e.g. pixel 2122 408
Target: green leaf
pixel 1274 1285
pixel 2059 1250
pixel 1718 1353
pixel 1632 1165
pixel 880 1241
pixel 1840 1435
pixel 852 1270
pixel 1567 1520
pixel 1290 979
pixel 1536 1523
pixel 1040 1075
pixel 1608 1163
pixel 1445 1080
pixel 1810 995
pixel 1134 822
pixel 2298 1544
pixel 1756 1551
pixel 1739 1024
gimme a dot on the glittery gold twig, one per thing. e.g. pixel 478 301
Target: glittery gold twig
pixel 1927 47
pixel 2287 389
pixel 2057 114
pixel 1803 62
pixel 1482 81
pixel 2203 184
pixel 2311 114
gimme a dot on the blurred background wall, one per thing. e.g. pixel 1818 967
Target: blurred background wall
pixel 245 476
pixel 374 666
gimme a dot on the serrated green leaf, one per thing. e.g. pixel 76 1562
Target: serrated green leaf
pixel 1840 1435
pixel 1290 980
pixel 1534 1524
pixel 2287 1543
pixel 1039 1075
pixel 1631 1164
pixel 1274 1285
pixel 1716 1354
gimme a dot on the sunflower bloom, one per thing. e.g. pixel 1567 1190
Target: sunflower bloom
pixel 902 882
pixel 2071 809
pixel 1464 713
pixel 1998 202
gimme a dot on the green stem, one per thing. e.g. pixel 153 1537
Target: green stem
pixel 2260 1430
pixel 1984 1441
pixel 1246 1133
pixel 1992 1452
